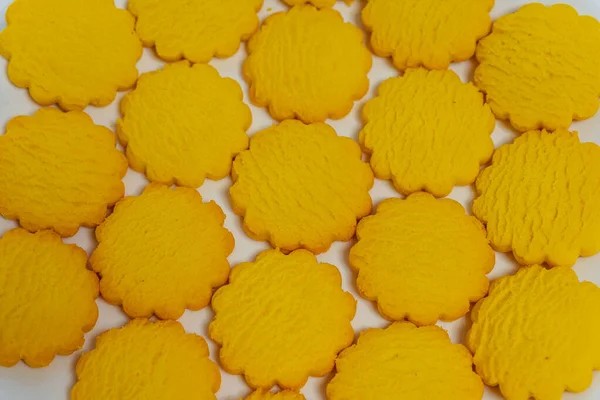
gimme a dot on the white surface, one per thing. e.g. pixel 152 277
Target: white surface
pixel 55 381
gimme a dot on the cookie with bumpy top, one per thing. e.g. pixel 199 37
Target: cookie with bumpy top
pixel 284 395
pixel 536 334
pixel 419 363
pixel 147 360
pixel 48 298
pixel 184 123
pixel 427 131
pixel 162 252
pixel 426 33
pixel 59 171
pixel 540 198
pixel 281 319
pixel 195 30
pixel 301 186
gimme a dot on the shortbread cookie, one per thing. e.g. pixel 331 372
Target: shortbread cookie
pixel 536 334
pixel 536 89
pixel 429 33
pixel 540 198
pixel 183 124
pixel 314 52
pixel 316 3
pixel 285 395
pixel 422 259
pixel 147 360
pixel 281 319
pixel 403 360
pixel 162 252
pixel 70 52
pixel 427 131
pixel 301 186
pixel 59 170
pixel 47 298
pixel 196 30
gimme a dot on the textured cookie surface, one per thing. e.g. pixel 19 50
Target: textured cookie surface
pixel 147 360
pixel 318 54
pixel 59 170
pixel 540 198
pixel 78 54
pixel 183 124
pixel 48 298
pixel 427 131
pixel 540 67
pixel 162 252
pixel 422 259
pixel 285 395
pixel 426 33
pixel 301 186
pixel 536 334
pixel 420 363
pixel 195 30
pixel 282 319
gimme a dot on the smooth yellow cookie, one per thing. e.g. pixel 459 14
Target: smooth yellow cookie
pixel 183 124
pixel 281 319
pixel 429 33
pixel 301 186
pixel 47 298
pixel 540 67
pixel 147 360
pixel 403 361
pixel 70 52
pixel 536 334
pixel 307 64
pixel 195 30
pixel 422 259
pixel 59 170
pixel 316 3
pixel 427 131
pixel 162 252
pixel 540 198
pixel 285 395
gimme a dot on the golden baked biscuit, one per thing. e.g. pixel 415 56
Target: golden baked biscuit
pixel 422 259
pixel 429 33
pixel 70 52
pixel 183 124
pixel 314 52
pixel 316 3
pixel 162 252
pixel 47 298
pixel 301 186
pixel 147 360
pixel 427 131
pixel 540 198
pixel 59 170
pixel 536 334
pixel 195 30
pixel 418 363
pixel 281 319
pixel 540 67
pixel 285 395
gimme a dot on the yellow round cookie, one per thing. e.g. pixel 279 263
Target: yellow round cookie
pixel 183 124
pixel 422 259
pixel 147 360
pixel 301 186
pixel 284 395
pixel 70 52
pixel 536 89
pixel 314 52
pixel 281 319
pixel 406 361
pixel 162 252
pixel 429 33
pixel 427 131
pixel 59 170
pixel 316 3
pixel 195 30
pixel 47 298
pixel 536 334
pixel 540 198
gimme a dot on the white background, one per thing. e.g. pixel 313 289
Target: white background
pixel 55 381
